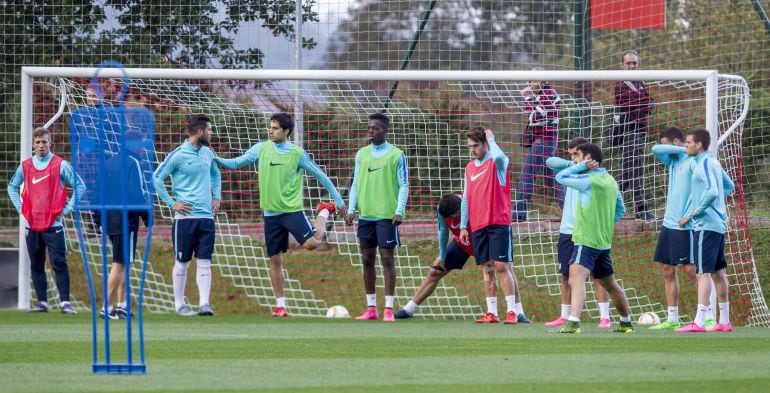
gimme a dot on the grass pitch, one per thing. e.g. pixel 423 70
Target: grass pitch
pixel 246 353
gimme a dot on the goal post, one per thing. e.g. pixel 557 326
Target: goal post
pixel 428 113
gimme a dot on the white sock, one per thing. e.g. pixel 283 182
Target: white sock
pixel 673 314
pixel 710 313
pixel 324 213
pixel 411 307
pixel 492 305
pixel 371 299
pixel 604 310
pixel 122 305
pixel 519 308
pixel 565 310
pixel 724 313
pixel 179 278
pixel 573 319
pixel 203 279
pixel 389 301
pixel 627 318
pixel 280 302
pixel 510 303
pixel 700 317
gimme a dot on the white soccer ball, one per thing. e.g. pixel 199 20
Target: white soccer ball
pixel 337 312
pixel 648 318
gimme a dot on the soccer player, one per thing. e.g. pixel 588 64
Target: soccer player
pixel 43 201
pixel 197 186
pixel 675 243
pixel 380 189
pixel 452 255
pixel 485 219
pixel 137 193
pixel 566 246
pixel 280 166
pixel 600 206
pixel 710 184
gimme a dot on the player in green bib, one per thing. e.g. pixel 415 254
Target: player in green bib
pixel 380 189
pixel 600 206
pixel 280 165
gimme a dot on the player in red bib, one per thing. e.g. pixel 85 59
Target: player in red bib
pixel 42 201
pixel 486 219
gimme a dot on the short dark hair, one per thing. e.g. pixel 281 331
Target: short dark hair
pixel 672 133
pixel 575 142
pixel 448 205
pixel 197 122
pixel 593 150
pixel 628 52
pixel 382 118
pixel 477 134
pixel 40 132
pixel 284 120
pixel 701 135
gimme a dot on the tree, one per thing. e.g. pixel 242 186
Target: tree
pixel 199 33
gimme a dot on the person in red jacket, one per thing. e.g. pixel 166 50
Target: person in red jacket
pixel 43 201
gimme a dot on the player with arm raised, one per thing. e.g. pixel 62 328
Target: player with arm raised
pixel 380 189
pixel 566 246
pixel 675 245
pixel 485 221
pixel 43 201
pixel 280 167
pixel 710 184
pixel 600 206
pixel 197 187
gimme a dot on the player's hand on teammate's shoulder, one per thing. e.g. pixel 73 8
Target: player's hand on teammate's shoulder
pixel 181 207
pixel 592 164
pixel 397 220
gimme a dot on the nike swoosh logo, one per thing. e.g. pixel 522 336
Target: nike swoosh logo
pixel 189 162
pixel 59 230
pixel 454 226
pixel 35 181
pixel 375 169
pixel 274 164
pixel 476 176
pixel 306 233
pixel 501 256
pixel 390 241
pixel 682 259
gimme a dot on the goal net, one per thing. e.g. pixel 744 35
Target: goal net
pixel 429 113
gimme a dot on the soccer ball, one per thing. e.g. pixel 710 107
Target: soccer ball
pixel 337 312
pixel 648 318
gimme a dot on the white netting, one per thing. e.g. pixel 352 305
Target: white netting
pixel 428 119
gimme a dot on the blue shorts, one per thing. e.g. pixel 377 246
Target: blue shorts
pixel 277 230
pixel 598 262
pixel 455 257
pixel 492 243
pixel 380 233
pixel 674 247
pixel 193 235
pixel 564 251
pixel 117 246
pixel 709 251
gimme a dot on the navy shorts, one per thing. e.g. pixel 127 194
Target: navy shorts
pixel 193 235
pixel 380 233
pixel 709 251
pixel 675 247
pixel 492 243
pixel 117 246
pixel 455 257
pixel 277 229
pixel 598 262
pixel 51 239
pixel 564 252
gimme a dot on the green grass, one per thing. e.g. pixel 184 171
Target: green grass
pixel 234 353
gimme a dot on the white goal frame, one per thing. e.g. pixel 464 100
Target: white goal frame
pixel 28 75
